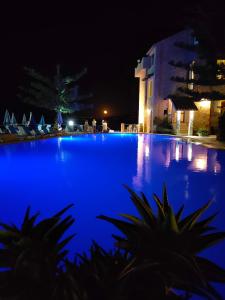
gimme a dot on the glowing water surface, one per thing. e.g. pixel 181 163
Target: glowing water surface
pixel 89 171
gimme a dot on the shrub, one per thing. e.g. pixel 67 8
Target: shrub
pixel 203 132
pixel 163 126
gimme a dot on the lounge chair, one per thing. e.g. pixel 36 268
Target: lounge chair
pixel 26 131
pixel 12 129
pixel 35 131
pixel 4 129
pixel 44 130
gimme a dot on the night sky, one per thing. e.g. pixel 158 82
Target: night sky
pixel 106 38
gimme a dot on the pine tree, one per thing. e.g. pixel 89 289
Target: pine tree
pixel 205 75
pixel 60 93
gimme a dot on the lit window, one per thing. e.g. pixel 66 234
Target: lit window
pixel 150 88
pixel 190 77
pixel 220 62
pixel 182 116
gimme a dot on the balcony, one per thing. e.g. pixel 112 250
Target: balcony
pixel 143 65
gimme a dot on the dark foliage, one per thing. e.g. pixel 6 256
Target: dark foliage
pixel 32 257
pixel 221 128
pixel 163 126
pixel 165 246
pixel 156 257
pixel 60 93
pixel 209 76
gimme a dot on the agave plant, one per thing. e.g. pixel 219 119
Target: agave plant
pixel 165 247
pixel 99 272
pixel 31 258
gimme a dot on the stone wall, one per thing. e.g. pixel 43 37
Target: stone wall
pixel 215 113
pixel 202 116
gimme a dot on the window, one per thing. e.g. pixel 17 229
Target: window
pixel 221 63
pixel 182 119
pixel 191 76
pixel 149 88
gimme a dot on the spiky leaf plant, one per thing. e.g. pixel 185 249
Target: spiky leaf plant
pixel 165 246
pixel 31 257
pixel 99 272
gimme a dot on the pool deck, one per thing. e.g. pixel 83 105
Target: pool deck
pixel 207 141
pixel 13 138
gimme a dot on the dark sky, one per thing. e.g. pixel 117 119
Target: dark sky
pixel 106 37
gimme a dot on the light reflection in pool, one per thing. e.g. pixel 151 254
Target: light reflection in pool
pixel 89 171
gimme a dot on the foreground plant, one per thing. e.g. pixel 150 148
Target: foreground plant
pixel 98 273
pixel 31 258
pixel 165 248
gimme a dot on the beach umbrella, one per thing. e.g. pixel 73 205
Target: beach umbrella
pixel 59 118
pixel 32 121
pixel 6 118
pixel 24 120
pixel 13 120
pixel 42 121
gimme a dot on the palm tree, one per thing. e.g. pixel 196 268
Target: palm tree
pixel 165 247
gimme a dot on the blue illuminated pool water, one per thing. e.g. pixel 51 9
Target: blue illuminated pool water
pixel 89 171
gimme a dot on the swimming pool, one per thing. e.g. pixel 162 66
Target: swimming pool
pixel 89 171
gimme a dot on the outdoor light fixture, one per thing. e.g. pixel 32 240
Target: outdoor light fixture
pixel 105 112
pixel 70 122
pixel 205 103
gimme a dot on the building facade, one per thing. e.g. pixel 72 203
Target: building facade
pixel 154 72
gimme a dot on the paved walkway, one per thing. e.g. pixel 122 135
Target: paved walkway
pixel 207 141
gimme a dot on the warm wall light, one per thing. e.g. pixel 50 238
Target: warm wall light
pixel 205 103
pixel 148 111
pixel 105 112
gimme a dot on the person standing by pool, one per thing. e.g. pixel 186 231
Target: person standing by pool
pixel 86 126
pixel 104 126
pixel 94 125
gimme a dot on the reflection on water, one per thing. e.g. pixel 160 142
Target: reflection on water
pixel 89 171
pixel 197 159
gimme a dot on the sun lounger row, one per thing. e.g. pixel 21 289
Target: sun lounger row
pixel 22 130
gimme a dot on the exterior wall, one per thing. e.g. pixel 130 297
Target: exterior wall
pixel 184 124
pixel 207 117
pixel 154 104
pixel 167 51
pixel 141 112
pixel 160 73
pixel 202 116
pixel 215 113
